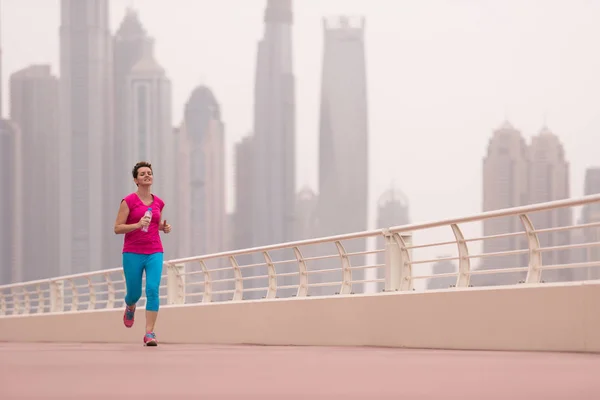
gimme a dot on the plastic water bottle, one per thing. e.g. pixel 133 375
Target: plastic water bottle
pixel 147 214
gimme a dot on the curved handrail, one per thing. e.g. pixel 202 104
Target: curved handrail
pixel 398 266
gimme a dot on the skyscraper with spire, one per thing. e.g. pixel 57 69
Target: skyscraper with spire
pixel 274 158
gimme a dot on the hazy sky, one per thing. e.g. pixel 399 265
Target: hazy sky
pixel 441 76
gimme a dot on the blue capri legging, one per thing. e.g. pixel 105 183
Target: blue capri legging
pixel 133 267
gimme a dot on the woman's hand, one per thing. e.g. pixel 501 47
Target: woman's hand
pixel 145 221
pixel 166 228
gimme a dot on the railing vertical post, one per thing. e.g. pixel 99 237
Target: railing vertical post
pixel 302 274
pixel 16 301
pixel 238 293
pixel 207 296
pixel 398 270
pixel 464 262
pixel 26 301
pixel 75 294
pixel 534 273
pixel 175 284
pixel 346 287
pixel 57 296
pixel 272 273
pixel 110 288
pixel 41 308
pixel 92 294
pixel 2 304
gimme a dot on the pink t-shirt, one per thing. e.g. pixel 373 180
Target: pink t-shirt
pixel 138 241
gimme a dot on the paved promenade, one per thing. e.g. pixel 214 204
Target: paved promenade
pixel 125 371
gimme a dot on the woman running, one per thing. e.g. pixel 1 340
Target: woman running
pixel 142 247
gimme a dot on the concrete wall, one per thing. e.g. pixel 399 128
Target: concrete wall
pixel 551 317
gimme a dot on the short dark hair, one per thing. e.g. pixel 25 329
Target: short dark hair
pixel 140 165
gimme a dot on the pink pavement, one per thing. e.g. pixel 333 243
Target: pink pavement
pixel 172 371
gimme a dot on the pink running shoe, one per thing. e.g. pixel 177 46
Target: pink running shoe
pixel 128 316
pixel 150 339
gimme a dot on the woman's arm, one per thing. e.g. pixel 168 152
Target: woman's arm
pixel 120 224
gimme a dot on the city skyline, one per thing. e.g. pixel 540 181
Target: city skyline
pixel 473 88
pixel 307 161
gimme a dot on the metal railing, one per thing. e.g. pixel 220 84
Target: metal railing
pixel 346 264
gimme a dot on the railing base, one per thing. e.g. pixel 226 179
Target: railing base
pixel 550 317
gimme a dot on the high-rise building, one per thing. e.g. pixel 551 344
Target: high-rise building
pixel 10 198
pixel 87 203
pixel 590 214
pixel 148 132
pixel 203 133
pixel 591 187
pixel 243 188
pixel 10 203
pixel 343 136
pixel 549 181
pixel 1 83
pixel 176 207
pixel 274 171
pixel 505 185
pixel 229 230
pixel 34 108
pixel 130 44
pixel 306 221
pixel 184 190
